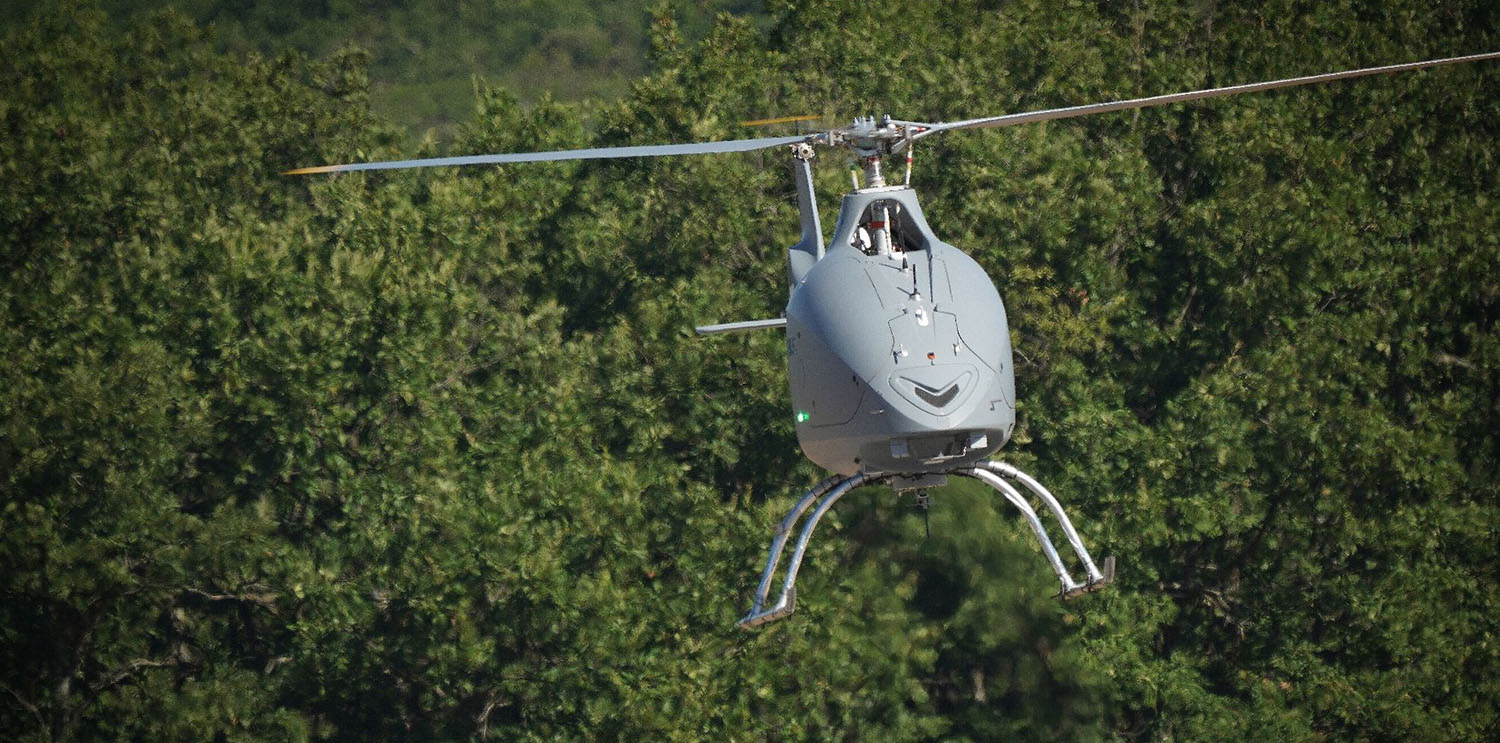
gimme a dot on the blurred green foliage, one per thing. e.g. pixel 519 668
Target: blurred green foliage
pixel 425 55
pixel 434 455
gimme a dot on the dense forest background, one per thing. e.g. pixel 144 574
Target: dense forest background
pixel 435 456
pixel 425 54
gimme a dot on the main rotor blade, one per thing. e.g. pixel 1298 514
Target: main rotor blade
pixel 1161 100
pixel 595 153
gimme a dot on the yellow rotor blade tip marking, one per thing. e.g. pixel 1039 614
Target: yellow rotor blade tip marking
pixel 313 169
pixel 781 120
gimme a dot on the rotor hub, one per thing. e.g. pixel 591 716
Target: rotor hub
pixel 870 141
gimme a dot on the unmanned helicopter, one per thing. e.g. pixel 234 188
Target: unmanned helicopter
pixel 898 350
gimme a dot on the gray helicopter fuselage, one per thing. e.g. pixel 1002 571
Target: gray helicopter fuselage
pixel 898 352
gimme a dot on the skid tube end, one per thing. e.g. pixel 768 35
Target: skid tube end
pixel 781 610
pixel 1106 577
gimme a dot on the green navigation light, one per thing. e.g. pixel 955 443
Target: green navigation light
pixel 802 416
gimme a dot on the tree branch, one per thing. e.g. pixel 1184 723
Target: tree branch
pixel 28 706
pixel 265 598
pixel 126 671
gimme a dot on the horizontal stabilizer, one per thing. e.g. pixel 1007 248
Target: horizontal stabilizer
pixel 740 327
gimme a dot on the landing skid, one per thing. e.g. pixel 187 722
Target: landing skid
pixel 994 474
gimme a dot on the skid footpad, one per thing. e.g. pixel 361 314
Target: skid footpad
pixel 1106 577
pixel 757 618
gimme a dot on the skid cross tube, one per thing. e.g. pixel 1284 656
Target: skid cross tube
pixel 1094 579
pixel 1019 501
pixel 830 490
pixel 1094 576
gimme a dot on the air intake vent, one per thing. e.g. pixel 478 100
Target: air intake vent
pixel 937 389
pixel 941 399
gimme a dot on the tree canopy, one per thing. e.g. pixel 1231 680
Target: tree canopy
pixel 424 54
pixel 435 456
